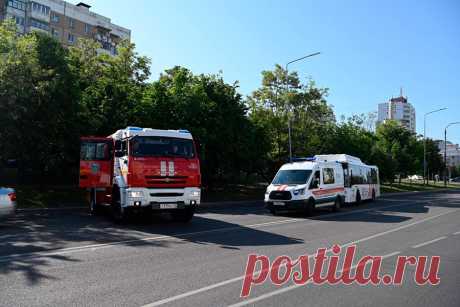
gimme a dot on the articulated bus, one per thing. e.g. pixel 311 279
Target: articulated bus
pixel 323 180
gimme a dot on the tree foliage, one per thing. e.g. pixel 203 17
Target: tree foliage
pixel 50 96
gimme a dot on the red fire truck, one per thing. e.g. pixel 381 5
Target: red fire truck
pixel 142 169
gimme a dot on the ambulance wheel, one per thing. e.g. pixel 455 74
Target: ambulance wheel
pixel 358 198
pixel 310 207
pixel 184 215
pixel 337 204
pixel 118 214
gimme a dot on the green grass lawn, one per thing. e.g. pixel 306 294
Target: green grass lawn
pixel 407 186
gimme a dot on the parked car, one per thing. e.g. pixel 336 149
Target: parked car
pixel 7 202
pixel 415 177
pixel 456 179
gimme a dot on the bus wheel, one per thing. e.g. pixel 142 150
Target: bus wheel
pixel 118 214
pixel 337 204
pixel 310 207
pixel 358 198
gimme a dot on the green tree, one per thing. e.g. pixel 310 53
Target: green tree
pixel 36 101
pixel 111 87
pixel 405 149
pixel 215 113
pixel 282 97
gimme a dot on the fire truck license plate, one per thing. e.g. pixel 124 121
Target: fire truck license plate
pixel 168 206
pixel 278 203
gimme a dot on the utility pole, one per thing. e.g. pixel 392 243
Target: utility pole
pixel 425 181
pixel 287 99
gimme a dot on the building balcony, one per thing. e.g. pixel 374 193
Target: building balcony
pixel 33 28
pixel 40 16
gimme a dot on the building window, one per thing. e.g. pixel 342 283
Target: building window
pixel 20 21
pixel 55 18
pixel 39 8
pixel 71 23
pixel 55 33
pixel 87 28
pixel 39 24
pixel 19 5
pixel 71 38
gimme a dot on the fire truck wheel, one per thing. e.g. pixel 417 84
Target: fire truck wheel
pixel 310 207
pixel 337 204
pixel 94 207
pixel 184 216
pixel 118 214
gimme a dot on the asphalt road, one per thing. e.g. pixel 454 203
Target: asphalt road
pixel 67 258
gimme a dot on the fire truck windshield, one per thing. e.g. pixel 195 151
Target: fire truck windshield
pixel 155 146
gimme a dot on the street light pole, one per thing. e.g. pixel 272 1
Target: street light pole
pixel 445 151
pixel 425 181
pixel 287 100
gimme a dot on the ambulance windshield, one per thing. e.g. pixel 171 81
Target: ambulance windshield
pixel 292 177
pixel 148 146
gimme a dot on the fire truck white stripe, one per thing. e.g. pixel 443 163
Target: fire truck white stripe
pixel 163 168
pixel 171 168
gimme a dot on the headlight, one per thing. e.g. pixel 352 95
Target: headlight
pixel 195 194
pixel 135 194
pixel 299 191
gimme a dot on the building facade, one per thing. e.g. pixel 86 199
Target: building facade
pixel 398 109
pixel 452 153
pixel 64 21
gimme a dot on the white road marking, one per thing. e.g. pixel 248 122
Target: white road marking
pixel 456 233
pixel 429 242
pixel 225 282
pixel 286 289
pixel 93 247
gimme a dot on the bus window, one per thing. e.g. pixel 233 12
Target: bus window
pixel 328 176
pixel 374 176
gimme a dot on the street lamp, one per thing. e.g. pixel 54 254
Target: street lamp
pixel 445 151
pixel 425 181
pixel 287 90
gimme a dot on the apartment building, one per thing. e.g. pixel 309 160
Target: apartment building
pixel 64 21
pixel 398 109
pixel 452 153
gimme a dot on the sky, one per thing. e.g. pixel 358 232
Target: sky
pixel 369 49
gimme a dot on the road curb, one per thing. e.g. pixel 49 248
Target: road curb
pixel 205 205
pixel 244 203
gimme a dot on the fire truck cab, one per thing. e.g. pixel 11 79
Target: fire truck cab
pixel 142 169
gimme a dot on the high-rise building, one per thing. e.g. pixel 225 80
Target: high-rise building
pixel 64 21
pixel 398 109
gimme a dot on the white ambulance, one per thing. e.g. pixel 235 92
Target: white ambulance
pixel 323 180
